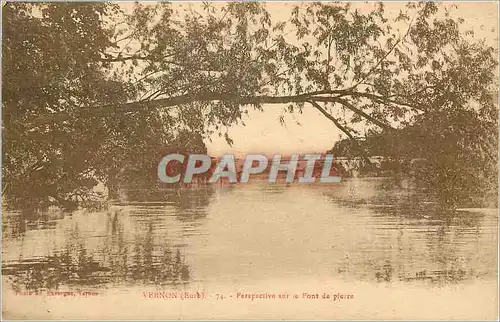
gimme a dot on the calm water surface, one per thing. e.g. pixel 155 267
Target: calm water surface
pixel 358 230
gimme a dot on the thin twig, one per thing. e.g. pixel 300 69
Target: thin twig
pixel 343 129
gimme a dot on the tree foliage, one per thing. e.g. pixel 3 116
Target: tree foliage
pixel 108 86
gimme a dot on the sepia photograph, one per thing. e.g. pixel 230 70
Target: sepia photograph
pixel 249 160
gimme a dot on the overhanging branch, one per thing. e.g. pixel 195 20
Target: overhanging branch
pixel 343 129
pixel 210 96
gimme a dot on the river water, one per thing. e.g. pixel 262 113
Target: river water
pixel 370 230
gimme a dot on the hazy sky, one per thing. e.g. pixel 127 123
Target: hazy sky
pixel 263 132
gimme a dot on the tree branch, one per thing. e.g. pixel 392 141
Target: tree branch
pixel 360 112
pixel 343 129
pixel 385 56
pixel 210 96
pixel 120 58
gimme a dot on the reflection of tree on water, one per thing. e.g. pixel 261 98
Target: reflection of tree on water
pixel 190 203
pixel 150 266
pixel 443 254
pixel 75 265
pixel 16 224
pixel 385 273
pixel 437 259
pixel 71 266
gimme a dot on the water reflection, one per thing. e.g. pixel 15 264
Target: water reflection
pixel 190 203
pixel 116 262
pixel 24 221
pixel 430 241
pixel 361 229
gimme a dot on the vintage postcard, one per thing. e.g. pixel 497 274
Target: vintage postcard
pixel 250 160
